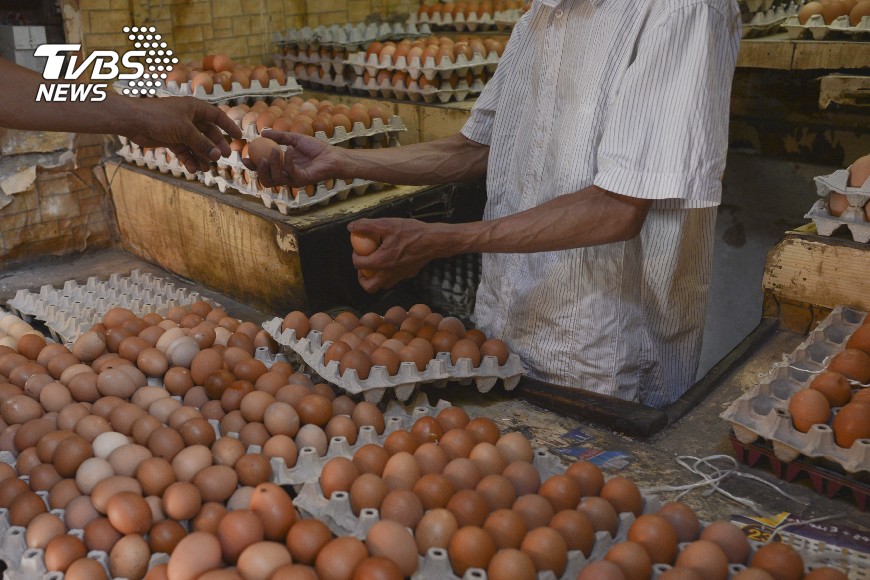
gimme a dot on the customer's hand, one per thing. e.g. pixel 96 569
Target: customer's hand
pixel 187 126
pixel 307 160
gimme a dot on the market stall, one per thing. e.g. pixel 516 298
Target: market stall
pixel 207 392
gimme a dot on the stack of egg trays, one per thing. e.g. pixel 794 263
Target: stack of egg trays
pixel 428 68
pixel 763 411
pixel 854 217
pixel 73 309
pixel 349 36
pixel 231 173
pixel 443 93
pixel 236 94
pixel 770 20
pixel 450 285
pixel 359 136
pixel 816 28
pixel 324 79
pixel 159 158
pixel 475 22
pixel 439 371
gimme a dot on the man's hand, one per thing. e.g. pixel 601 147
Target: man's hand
pixel 307 160
pixel 189 127
pixel 406 246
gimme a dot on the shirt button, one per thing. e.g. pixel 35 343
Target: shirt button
pixel 559 13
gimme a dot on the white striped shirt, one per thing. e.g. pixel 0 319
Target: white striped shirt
pixel 632 96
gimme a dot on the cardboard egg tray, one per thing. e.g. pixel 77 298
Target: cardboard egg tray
pixel 450 285
pixel 838 182
pixel 762 412
pixel 428 68
pixel 73 309
pixel 443 94
pixel 816 29
pixel 232 174
pixel 506 19
pixel 350 36
pixel 473 23
pixel 327 81
pixel 359 136
pixel 769 21
pixel 236 94
pixel 854 217
pixel 439 371
pixel 160 159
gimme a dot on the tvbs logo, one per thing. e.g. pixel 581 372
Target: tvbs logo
pixel 140 71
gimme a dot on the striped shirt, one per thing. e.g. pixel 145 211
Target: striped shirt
pixel 631 96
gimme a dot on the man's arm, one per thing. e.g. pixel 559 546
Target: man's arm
pixel 189 127
pixel 589 217
pixel 308 160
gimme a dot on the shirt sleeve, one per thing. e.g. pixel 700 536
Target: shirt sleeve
pixel 478 127
pixel 666 134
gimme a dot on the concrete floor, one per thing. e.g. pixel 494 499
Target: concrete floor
pixel 762 198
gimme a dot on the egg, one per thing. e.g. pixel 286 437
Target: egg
pixel 62 551
pixel 852 363
pixel 371 458
pixel 196 554
pixel 808 10
pixel 523 476
pixel 851 423
pixel 129 557
pixel 470 547
pixel 483 430
pixel 275 508
pixel 561 491
pixel 312 436
pixel 624 495
pixel 547 550
pixel 259 561
pixel 632 559
pixel 601 513
pixel 85 569
pixel 730 539
pixel 657 536
pixel 129 513
pixel 826 574
pixel 236 531
pixel 601 570
pixel 683 519
pixel 338 474
pixel 208 518
pixel 860 339
pixel 403 506
pixel 706 558
pixel 339 558
pixel 391 540
pixel 780 560
pixel 400 441
pixel 497 490
pixel 42 529
pixel 834 386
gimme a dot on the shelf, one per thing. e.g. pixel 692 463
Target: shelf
pixel 778 52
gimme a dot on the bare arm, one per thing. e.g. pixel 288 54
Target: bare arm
pixel 189 127
pixel 308 160
pixel 588 217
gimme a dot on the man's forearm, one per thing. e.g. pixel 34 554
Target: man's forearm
pixel 454 158
pixel 588 217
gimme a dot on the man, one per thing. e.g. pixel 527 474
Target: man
pixel 188 127
pixel 603 135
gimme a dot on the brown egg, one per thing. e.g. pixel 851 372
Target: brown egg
pixel 367 491
pixel 178 381
pixel 306 539
pixel 129 513
pixel 588 476
pixel 730 539
pixel 275 508
pixel 282 447
pixel 808 407
pixel 431 458
pixel 561 491
pixel 624 495
pixel 547 549
pixel 834 386
pixel 514 447
pixel 208 518
pixel 495 348
pixel 465 349
pixel 852 423
pixel 371 458
pixel 312 436
pixel 196 554
pixel 314 410
pixel 298 322
pixel 484 430
pixel 601 513
pixel 400 441
pixel 198 431
pixel 826 574
pixel 576 529
pixel 853 364
pixel 403 506
pixel 216 482
pixel 338 474
pixel 100 535
pixel 462 473
pixel 657 536
pixel 391 540
pixel 535 510
pixel 401 471
pixel 61 493
pixel 62 551
pixel 42 529
pixel 633 560
pixel 129 557
pixel 342 426
pixel 205 363
pixel 469 507
pixel 70 453
pixel 85 569
pixel 523 476
pixel 458 443
pixel 43 477
pixel 253 469
pixel 165 535
pixel 780 560
pixel 706 558
pixel 79 511
pixel 358 361
pixel 165 442
pixel 236 531
pixel 435 529
pixel 683 520
pixel 470 547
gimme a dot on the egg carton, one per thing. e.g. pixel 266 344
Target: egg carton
pixel 236 94
pixel 159 158
pixel 762 412
pixel 439 371
pixel 816 28
pixel 74 308
pixel 232 174
pixel 853 218
pixel 443 94
pixel 764 23
pixel 360 136
pixel 473 23
pixel 428 68
pixel 838 182
pixel 350 36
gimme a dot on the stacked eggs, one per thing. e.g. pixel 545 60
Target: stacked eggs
pixel 444 50
pixel 219 70
pixel 399 336
pixel 468 13
pixel 832 389
pixel 831 10
pixel 859 176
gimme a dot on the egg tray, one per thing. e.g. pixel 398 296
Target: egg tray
pixel 428 68
pixel 413 92
pixel 758 5
pixel 350 36
pixel 459 23
pixel 160 159
pixel 852 218
pixel 506 19
pixel 231 174
pixel 838 182
pixel 450 285
pixel 762 412
pixel 74 308
pixel 824 481
pixel 360 136
pixel 236 95
pixel 332 68
pixel 816 28
pixel 336 83
pixel 764 23
pixel 439 371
